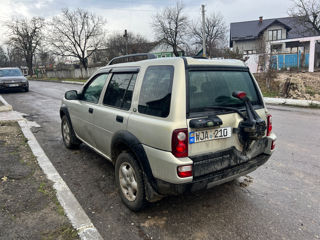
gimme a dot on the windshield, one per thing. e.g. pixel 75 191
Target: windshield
pixel 10 72
pixel 214 88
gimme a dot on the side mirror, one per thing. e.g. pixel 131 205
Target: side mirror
pixel 71 95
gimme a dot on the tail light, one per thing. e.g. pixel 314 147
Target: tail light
pixel 184 171
pixel 269 125
pixel 179 143
pixel 273 145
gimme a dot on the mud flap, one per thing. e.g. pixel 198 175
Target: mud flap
pixel 151 194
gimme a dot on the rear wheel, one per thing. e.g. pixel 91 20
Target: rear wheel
pixel 129 180
pixel 69 138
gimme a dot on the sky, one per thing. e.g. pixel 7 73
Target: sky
pixel 136 15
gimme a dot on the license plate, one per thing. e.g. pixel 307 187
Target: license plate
pixel 14 85
pixel 211 134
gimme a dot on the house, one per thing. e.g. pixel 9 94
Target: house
pixel 163 50
pixel 282 42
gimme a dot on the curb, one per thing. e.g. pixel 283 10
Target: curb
pixel 57 81
pixel 71 82
pixel 292 102
pixel 75 213
pixel 6 107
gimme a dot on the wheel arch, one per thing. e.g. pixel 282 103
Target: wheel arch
pixel 126 141
pixel 64 111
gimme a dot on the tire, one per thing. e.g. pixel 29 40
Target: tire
pixel 129 180
pixel 26 89
pixel 68 136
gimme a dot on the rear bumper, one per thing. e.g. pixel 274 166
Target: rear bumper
pixel 213 178
pixel 208 169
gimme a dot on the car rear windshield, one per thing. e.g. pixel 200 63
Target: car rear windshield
pixel 10 72
pixel 214 89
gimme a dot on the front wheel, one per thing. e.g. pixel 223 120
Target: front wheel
pixel 129 180
pixel 69 138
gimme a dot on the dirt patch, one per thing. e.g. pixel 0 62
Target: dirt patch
pixel 292 85
pixel 29 208
pixel 155 221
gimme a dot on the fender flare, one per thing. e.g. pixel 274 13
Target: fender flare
pixel 125 140
pixel 65 112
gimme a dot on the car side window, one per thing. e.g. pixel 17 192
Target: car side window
pixel 93 90
pixel 155 94
pixel 120 90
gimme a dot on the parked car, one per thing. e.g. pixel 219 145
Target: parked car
pixel 171 125
pixel 12 78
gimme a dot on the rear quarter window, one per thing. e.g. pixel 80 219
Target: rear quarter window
pixel 155 93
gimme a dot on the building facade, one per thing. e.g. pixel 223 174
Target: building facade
pixel 282 42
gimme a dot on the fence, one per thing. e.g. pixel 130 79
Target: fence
pixel 72 73
pixel 283 61
pixel 278 61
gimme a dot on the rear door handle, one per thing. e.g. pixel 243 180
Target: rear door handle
pixel 119 119
pixel 90 110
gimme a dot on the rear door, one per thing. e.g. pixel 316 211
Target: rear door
pixel 112 115
pixel 208 90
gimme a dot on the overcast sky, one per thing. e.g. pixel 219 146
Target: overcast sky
pixel 136 15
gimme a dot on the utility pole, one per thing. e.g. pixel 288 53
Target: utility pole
pixel 126 38
pixel 204 52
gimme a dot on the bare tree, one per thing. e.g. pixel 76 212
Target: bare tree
pixel 307 13
pixel 3 58
pixel 116 44
pixel 15 57
pixel 26 36
pixel 45 56
pixel 73 33
pixel 170 26
pixel 215 32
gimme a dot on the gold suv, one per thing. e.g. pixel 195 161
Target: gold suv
pixel 171 125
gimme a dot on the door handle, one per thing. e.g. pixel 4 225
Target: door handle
pixel 90 110
pixel 119 119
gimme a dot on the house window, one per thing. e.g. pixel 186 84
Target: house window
pixel 247 52
pixel 276 48
pixel 275 34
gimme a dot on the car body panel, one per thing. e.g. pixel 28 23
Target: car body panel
pixel 106 125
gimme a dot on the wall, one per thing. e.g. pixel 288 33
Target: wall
pixel 74 73
pixel 247 45
pixel 252 62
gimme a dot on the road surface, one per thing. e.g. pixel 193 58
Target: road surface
pixel 280 200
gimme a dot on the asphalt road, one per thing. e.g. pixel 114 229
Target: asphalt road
pixel 281 202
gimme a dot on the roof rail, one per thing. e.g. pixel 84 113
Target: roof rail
pixel 147 55
pixel 200 57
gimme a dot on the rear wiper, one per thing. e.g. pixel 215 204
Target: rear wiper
pixel 225 108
